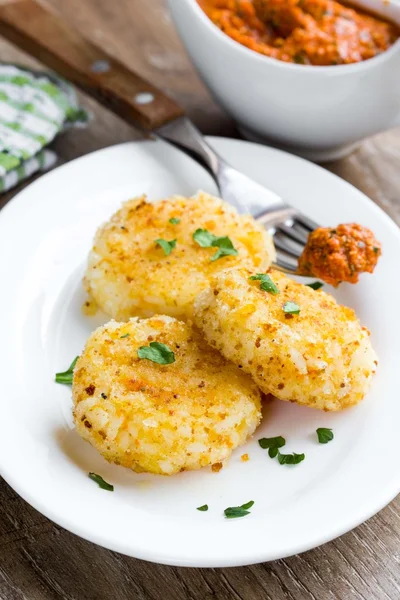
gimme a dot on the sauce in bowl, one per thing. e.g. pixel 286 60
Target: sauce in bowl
pixel 311 32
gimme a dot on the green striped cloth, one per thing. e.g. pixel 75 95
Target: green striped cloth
pixel 34 108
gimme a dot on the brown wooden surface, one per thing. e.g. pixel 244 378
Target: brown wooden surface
pixel 46 36
pixel 40 561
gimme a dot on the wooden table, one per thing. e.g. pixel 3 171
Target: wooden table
pixel 41 561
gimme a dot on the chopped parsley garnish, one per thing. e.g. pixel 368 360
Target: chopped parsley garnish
pixel 157 352
pixel 205 239
pixel 290 459
pixel 174 221
pixel 266 283
pixel 225 248
pixel 325 435
pixel 375 249
pixel 273 444
pixel 234 512
pixel 101 483
pixel 124 336
pixel 202 508
pixel 291 308
pixel 315 285
pixel 166 246
pixel 66 376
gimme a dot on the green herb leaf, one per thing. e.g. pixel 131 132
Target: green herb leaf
pixel 274 442
pixel 205 239
pixel 247 505
pixel 325 435
pixel 375 249
pixel 157 352
pixel 234 512
pixel 66 376
pixel 291 308
pixel 273 451
pixel 166 246
pixel 266 283
pixel 202 508
pixel 290 459
pixel 101 483
pixel 174 221
pixel 315 285
pixel 124 336
pixel 225 248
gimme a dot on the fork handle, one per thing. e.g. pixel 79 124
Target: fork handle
pixel 44 35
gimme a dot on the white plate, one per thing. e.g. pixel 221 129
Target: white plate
pixel 45 235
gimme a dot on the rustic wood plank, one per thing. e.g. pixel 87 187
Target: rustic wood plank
pixel 41 561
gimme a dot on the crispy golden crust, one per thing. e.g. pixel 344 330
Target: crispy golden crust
pixel 321 358
pixel 128 274
pixel 161 418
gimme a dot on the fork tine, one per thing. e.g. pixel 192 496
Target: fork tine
pixel 286 247
pixel 305 222
pixel 294 234
pixel 282 265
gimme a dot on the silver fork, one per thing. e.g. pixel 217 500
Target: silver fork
pixel 288 226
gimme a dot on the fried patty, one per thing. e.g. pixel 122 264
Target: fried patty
pixel 161 418
pixel 129 274
pixel 321 357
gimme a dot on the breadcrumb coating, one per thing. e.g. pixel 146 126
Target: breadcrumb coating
pixel 321 357
pixel 161 418
pixel 129 274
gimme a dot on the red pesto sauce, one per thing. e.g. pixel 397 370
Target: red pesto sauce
pixel 310 32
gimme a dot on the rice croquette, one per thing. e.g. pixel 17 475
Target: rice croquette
pixel 129 274
pixel 161 418
pixel 321 357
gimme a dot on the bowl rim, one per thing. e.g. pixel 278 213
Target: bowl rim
pixel 316 69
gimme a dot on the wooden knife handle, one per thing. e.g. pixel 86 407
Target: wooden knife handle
pixel 41 33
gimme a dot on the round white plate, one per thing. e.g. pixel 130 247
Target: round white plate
pixel 45 235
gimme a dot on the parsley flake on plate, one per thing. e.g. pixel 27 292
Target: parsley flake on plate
pixel 315 285
pixel 206 239
pixel 325 435
pixel 266 283
pixel 234 512
pixel 174 221
pixel 66 376
pixel 202 508
pixel 272 444
pixel 291 308
pixel 100 482
pixel 124 336
pixel 157 352
pixel 290 459
pixel 166 246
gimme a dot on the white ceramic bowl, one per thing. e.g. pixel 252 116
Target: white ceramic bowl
pixel 319 112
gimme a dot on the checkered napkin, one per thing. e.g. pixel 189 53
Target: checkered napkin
pixel 34 108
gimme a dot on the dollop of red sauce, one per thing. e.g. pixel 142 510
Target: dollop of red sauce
pixel 340 254
pixel 313 32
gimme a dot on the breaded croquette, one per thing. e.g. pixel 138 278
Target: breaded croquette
pixel 145 260
pixel 296 343
pixel 189 412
